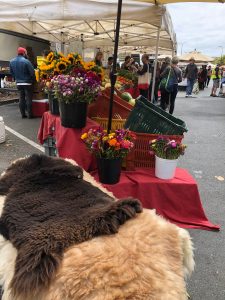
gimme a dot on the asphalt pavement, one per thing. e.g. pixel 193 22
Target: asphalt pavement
pixel 204 159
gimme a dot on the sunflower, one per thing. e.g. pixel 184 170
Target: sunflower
pixel 89 65
pixel 50 57
pixel 71 58
pixel 37 75
pixel 60 55
pixel 60 67
pixel 66 60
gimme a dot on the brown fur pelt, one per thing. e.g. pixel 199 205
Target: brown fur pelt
pixel 48 208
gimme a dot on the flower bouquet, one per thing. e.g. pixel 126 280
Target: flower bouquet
pixel 167 153
pixel 109 150
pixel 74 93
pixel 80 86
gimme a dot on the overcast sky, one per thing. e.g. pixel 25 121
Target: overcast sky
pixel 199 26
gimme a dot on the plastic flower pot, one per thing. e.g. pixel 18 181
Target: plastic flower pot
pixel 109 170
pixel 165 168
pixel 53 104
pixel 73 115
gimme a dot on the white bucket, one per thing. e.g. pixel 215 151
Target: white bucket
pixel 2 130
pixel 165 168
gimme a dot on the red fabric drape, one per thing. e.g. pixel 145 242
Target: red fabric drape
pixel 177 199
pixel 68 141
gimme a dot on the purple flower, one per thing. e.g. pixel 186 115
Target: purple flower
pixel 173 144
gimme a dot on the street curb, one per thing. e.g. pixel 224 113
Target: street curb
pixel 8 101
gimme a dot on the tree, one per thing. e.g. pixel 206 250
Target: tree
pixel 220 60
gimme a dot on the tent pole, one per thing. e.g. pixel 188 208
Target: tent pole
pixel 155 65
pixel 113 73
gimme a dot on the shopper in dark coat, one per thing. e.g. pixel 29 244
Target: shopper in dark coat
pixel 169 97
pixel 23 72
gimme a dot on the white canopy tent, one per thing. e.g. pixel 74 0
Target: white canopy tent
pixel 93 22
pixel 90 21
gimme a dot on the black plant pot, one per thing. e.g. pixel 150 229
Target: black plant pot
pixel 53 104
pixel 109 170
pixel 73 115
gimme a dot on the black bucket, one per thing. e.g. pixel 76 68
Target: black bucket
pixel 109 170
pixel 73 115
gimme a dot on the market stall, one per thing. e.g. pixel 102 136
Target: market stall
pixel 177 200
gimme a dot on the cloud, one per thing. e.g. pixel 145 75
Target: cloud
pixel 199 26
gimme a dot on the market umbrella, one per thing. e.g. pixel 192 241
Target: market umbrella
pixel 198 56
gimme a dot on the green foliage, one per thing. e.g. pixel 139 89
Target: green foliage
pixel 128 75
pixel 220 60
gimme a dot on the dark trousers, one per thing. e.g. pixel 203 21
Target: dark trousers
pixel 168 99
pixel 155 100
pixel 25 103
pixel 201 85
pixel 144 93
pixel 208 80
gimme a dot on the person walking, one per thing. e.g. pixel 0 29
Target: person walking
pixel 202 77
pixel 209 74
pixel 24 74
pixel 191 73
pixel 126 65
pixel 157 82
pixel 99 58
pixel 144 76
pixel 216 76
pixel 166 63
pixel 169 93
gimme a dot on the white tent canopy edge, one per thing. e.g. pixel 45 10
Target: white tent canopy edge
pixel 91 21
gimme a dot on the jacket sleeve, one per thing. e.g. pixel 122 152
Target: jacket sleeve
pixel 196 71
pixel 144 70
pixel 186 71
pixel 30 69
pixel 165 72
pixel 11 70
pixel 179 77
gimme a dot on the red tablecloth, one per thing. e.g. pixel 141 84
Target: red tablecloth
pixel 68 141
pixel 177 200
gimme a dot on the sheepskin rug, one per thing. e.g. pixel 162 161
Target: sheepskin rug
pixel 147 259
pixel 48 208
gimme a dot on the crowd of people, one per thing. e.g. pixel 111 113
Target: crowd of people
pixel 168 71
pixel 167 77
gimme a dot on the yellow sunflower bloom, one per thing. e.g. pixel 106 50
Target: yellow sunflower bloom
pixel 66 60
pixel 60 67
pixel 84 136
pixel 37 75
pixel 71 58
pixel 60 54
pixel 50 57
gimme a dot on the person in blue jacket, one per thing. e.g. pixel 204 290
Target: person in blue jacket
pixel 23 72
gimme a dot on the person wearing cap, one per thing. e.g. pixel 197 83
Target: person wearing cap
pixel 24 74
pixel 191 73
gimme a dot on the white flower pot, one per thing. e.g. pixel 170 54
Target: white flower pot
pixel 165 168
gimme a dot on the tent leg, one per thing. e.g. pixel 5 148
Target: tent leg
pixel 155 65
pixel 113 73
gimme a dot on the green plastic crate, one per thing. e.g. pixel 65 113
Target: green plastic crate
pixel 148 118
